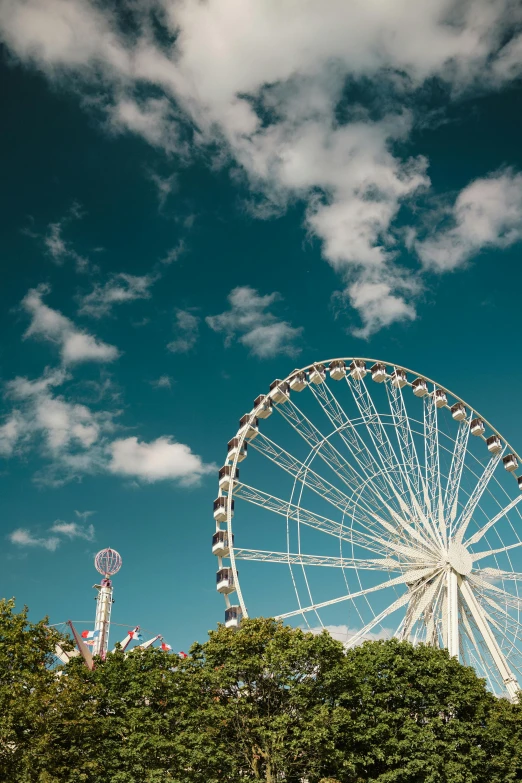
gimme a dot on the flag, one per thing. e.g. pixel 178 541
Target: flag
pixel 90 634
pixel 165 647
pixel 135 635
pixel 182 654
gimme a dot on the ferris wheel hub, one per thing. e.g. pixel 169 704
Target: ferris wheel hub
pixel 459 558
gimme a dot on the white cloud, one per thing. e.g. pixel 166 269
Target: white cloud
pixel 187 331
pixel 57 247
pixel 175 252
pixel 486 214
pixel 24 538
pixel 75 345
pixel 163 382
pixel 273 109
pixel 120 288
pixel 84 514
pixel 158 460
pixel 10 433
pixel 72 530
pixel 164 186
pixel 69 435
pixel 250 321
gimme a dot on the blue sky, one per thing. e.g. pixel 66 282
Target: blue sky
pixel 199 197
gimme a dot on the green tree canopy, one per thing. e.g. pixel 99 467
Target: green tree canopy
pixel 264 702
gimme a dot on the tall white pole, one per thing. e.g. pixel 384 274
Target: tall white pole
pixel 103 616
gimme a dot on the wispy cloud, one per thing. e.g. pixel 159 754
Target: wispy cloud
pixel 84 515
pixel 24 538
pixel 160 460
pixel 174 253
pixel 75 440
pixel 75 344
pixel 165 186
pixel 54 536
pixel 69 435
pixel 163 382
pixel 72 530
pixel 250 320
pixel 486 214
pixel 57 247
pixel 279 120
pixel 119 289
pixel 186 328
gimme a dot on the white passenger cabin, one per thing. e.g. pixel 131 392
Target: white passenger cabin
pixel 440 398
pixel 298 381
pixel 398 378
pixel 279 391
pixel 263 404
pixel 225 581
pixel 358 369
pixel 220 509
pixel 477 427
pixel 226 480
pixel 233 616
pixel 420 387
pixel 458 411
pixel 494 444
pixel 234 448
pixel 317 373
pixel 248 426
pixel 510 462
pixel 220 546
pixel 337 369
pixel 378 372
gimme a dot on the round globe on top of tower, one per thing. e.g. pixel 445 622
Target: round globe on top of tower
pixel 108 562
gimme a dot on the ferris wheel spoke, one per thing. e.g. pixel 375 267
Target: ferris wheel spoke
pixel 480 555
pixel 303 473
pixel 424 600
pixel 302 515
pixel 401 420
pixel 377 564
pixel 455 474
pixel 327 452
pixel 380 439
pixel 474 499
pixel 359 636
pixel 368 467
pixel 432 499
pixel 370 541
pixel 363 515
pixel 497 573
pixel 492 645
pixel 409 576
pixel 478 535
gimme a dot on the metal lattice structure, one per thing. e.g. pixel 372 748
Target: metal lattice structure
pixel 108 562
pixel 397 508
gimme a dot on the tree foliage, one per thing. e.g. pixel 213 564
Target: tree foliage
pixel 265 702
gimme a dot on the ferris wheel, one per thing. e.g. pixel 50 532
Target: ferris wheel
pixel 375 503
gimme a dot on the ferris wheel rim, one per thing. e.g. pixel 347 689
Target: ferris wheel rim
pixel 241 437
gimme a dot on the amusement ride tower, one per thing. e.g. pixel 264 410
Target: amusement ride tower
pixel 107 562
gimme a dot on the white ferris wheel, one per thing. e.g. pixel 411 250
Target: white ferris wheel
pixel 375 502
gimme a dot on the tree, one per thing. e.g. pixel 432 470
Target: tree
pixel 412 714
pixel 26 687
pixel 264 702
pixel 272 686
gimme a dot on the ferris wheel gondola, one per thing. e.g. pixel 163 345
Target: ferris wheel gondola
pixel 394 506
